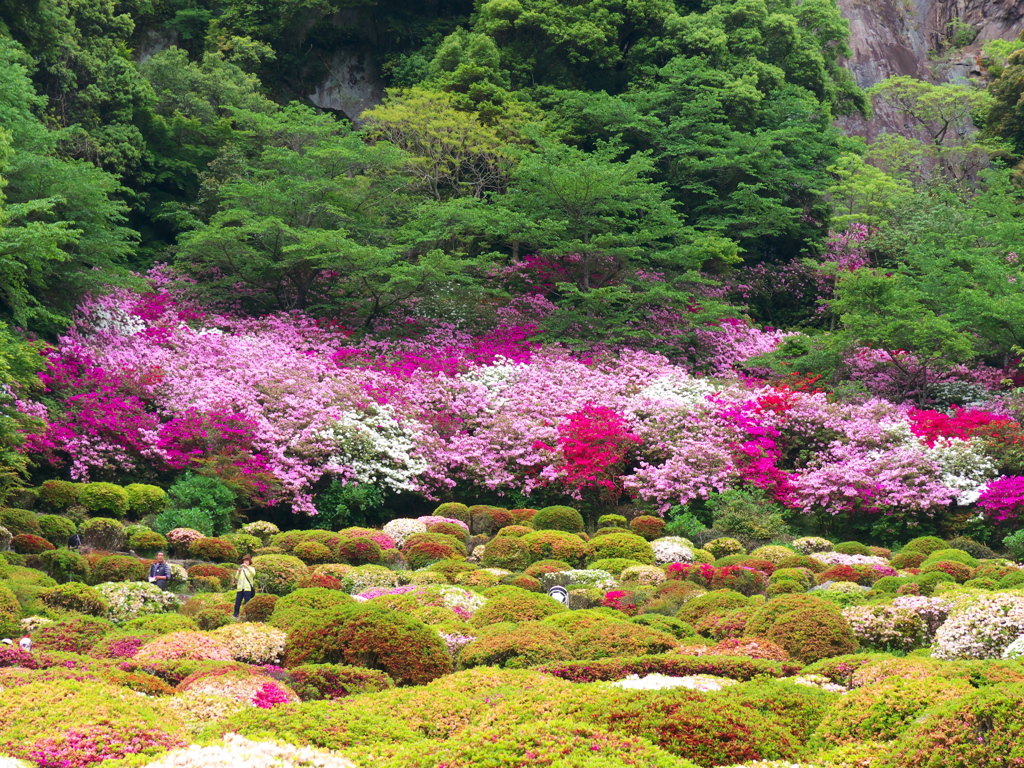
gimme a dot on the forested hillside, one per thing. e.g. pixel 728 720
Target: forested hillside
pixel 466 287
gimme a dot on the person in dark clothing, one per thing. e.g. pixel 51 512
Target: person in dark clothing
pixel 74 541
pixel 159 572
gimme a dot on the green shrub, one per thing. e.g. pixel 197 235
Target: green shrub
pixel 279 574
pixel 802 561
pixel 89 720
pixel 668 624
pixel 56 529
pixel 539 567
pixel 555 545
pixel 647 526
pixel 765 616
pixel 883 711
pixel 506 552
pixel 724 546
pixel 924 544
pixel 102 533
pixel 358 550
pixel 147 543
pixel 29 544
pixel 951 556
pixel 194 518
pixel 424 549
pixel 368 636
pixel 76 598
pixel 958 571
pixel 145 499
pixel 205 493
pixel 798 708
pixel 517 646
pixel 214 549
pixel 20 521
pixel 558 518
pixel 515 605
pixel 65 565
pixel 455 511
pixel 58 495
pixel 811 634
pixel 306 603
pixel 717 601
pixel 709 731
pixel 621 545
pixel 972 547
pixel 449 569
pixel 10 612
pixel 612 521
pixel 317 682
pixel 161 624
pixel 908 560
pixel 773 553
pixel 514 530
pixel 244 543
pixel 104 499
pixel 852 548
pixel 979 730
pixel 118 568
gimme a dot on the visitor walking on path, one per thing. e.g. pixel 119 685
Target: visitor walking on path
pixel 245 583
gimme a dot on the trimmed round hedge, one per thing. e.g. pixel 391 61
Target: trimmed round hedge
pixel 628 546
pixel 979 730
pixel 104 499
pixel 515 605
pixel 279 574
pixel 506 552
pixel 554 545
pixel 517 646
pixel 558 518
pixel 372 637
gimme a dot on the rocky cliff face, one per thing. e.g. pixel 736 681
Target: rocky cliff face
pixel 934 40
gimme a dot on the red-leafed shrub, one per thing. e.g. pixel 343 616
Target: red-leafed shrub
pixel 259 608
pixel 523 581
pixel 383 540
pixel 77 635
pixel 648 526
pixel 720 625
pixel 488 519
pixel 858 574
pixel 540 567
pixel 420 554
pixel 214 549
pixel 738 578
pixel 523 645
pixel 623 600
pixel 322 580
pixel 210 571
pixel 620 638
pixel 368 636
pixel 448 529
pixel 358 550
pixel 29 544
pixel 958 571
pixel 751 647
pixel 908 560
pixel 523 516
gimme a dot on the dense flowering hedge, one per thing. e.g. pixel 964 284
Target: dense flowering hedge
pixel 142 380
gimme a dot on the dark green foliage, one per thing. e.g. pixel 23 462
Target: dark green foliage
pixel 206 493
pixel 56 529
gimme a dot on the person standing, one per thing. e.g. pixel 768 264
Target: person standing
pixel 26 643
pixel 159 572
pixel 245 583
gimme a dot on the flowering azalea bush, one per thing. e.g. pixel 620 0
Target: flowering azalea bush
pixel 252 643
pixel 135 599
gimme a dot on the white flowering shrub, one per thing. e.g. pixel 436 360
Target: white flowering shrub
pixel 883 627
pixel 239 751
pixel 31 623
pixel 131 599
pixel 402 528
pixel 368 576
pixel 810 544
pixel 981 627
pixel 5 539
pixel 464 602
pixel 1015 649
pixel 589 577
pixel 838 558
pixel 197 709
pixel 933 610
pixel 373 447
pixel 253 642
pixel 643 574
pixel 670 550
pixel 179 576
pixel 965 466
pixel 658 682
pixel 261 529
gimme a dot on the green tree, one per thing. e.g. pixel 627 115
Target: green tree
pixel 19 364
